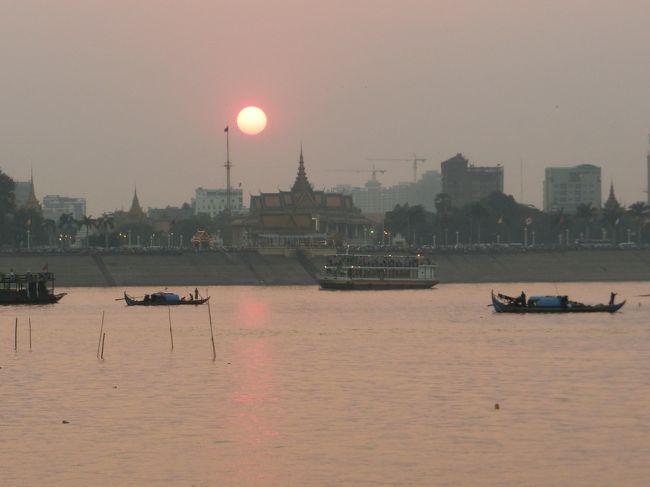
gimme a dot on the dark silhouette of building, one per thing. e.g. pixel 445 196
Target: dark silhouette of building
pixel 466 183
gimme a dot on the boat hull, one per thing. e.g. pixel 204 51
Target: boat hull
pixel 500 307
pixel 134 302
pixel 376 285
pixel 7 300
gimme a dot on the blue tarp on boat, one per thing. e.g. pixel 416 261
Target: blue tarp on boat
pixel 547 301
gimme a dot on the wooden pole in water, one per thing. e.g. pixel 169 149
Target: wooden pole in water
pixel 101 329
pixel 30 333
pixel 103 339
pixel 214 352
pixel 16 335
pixel 171 334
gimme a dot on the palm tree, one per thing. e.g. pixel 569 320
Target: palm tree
pixel 443 211
pixel 50 227
pixel 105 223
pixel 88 222
pixel 639 212
pixel 67 225
pixel 586 213
pixel 478 212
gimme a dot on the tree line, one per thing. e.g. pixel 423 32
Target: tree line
pixel 500 219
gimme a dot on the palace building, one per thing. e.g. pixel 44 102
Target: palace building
pixel 301 216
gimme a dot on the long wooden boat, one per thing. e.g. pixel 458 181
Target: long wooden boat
pixel 549 304
pixel 28 288
pixel 163 299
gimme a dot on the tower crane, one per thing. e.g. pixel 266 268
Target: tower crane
pixel 415 160
pixel 373 171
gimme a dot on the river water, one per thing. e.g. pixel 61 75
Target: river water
pixel 323 388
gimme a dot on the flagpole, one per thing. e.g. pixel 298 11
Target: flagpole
pixel 228 165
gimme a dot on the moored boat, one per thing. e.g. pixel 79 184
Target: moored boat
pixel 163 299
pixel 353 271
pixel 28 288
pixel 549 304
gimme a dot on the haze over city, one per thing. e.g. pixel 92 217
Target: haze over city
pixel 100 96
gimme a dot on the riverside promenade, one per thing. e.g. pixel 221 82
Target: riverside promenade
pixel 88 269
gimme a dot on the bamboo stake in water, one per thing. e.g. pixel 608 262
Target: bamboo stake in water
pixel 171 335
pixel 214 352
pixel 103 339
pixel 101 329
pixel 16 336
pixel 30 333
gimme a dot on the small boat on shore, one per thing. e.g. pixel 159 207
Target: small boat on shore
pixel 352 271
pixel 28 288
pixel 162 299
pixel 550 304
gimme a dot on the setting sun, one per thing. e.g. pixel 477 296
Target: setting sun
pixel 251 120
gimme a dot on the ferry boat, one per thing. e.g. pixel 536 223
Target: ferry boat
pixel 29 288
pixel 353 271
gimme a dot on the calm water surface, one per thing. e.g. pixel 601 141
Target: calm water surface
pixel 327 388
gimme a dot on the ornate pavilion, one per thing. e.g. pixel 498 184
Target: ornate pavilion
pixel 301 216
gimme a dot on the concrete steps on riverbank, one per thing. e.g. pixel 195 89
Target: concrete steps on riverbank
pixel 251 268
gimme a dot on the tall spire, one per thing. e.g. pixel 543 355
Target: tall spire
pixel 611 202
pixel 32 201
pixel 301 183
pixel 136 209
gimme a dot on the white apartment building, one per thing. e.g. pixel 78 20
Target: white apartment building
pixel 565 188
pixel 213 201
pixel 54 206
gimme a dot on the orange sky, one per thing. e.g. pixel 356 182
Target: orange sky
pixel 101 95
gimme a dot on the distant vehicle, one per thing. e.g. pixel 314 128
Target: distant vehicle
pixel 628 245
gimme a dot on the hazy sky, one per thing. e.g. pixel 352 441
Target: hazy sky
pixel 101 95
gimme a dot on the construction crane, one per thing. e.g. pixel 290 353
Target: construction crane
pixel 415 160
pixel 373 171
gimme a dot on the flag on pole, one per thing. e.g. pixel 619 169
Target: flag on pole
pixel 618 220
pixel 500 220
pixel 45 267
pixel 226 129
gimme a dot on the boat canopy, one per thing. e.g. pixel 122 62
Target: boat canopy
pixel 547 301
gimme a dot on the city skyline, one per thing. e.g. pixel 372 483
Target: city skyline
pixel 99 98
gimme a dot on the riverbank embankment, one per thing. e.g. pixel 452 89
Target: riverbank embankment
pixel 252 268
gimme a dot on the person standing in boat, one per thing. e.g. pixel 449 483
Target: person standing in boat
pixel 196 293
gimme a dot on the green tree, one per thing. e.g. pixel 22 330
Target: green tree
pixel 639 212
pixel 7 207
pixel 105 223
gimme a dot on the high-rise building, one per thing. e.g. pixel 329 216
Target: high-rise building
pixel 466 183
pixel 648 176
pixel 54 206
pixel 213 201
pixel 565 188
pixel 374 198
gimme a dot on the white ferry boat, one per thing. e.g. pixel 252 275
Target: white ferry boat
pixel 352 271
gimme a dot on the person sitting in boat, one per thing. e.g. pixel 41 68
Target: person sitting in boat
pixel 146 298
pixel 521 300
pixel 191 297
